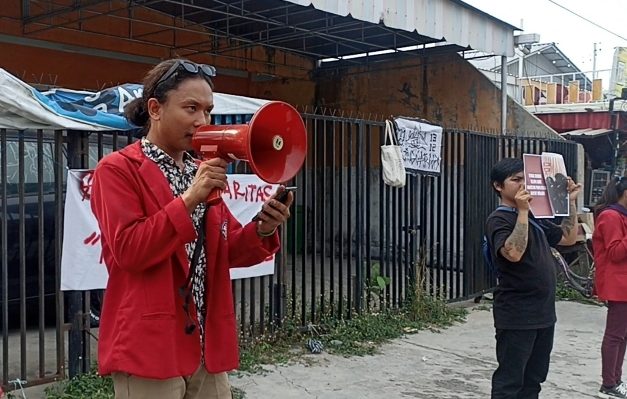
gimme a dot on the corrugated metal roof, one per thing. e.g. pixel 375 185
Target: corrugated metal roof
pixel 318 29
pixel 453 20
pixel 587 132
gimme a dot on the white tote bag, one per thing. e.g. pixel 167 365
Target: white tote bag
pixel 392 159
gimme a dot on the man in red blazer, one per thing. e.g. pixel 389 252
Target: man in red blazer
pixel 149 200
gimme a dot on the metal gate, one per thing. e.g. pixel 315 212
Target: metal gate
pixel 347 227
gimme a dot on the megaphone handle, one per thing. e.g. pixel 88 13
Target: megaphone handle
pixel 214 196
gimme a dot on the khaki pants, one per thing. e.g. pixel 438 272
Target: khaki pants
pixel 201 385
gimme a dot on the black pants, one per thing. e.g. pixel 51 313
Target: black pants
pixel 523 357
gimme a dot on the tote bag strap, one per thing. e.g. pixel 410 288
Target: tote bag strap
pixel 389 136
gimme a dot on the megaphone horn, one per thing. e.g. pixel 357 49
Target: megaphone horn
pixel 274 143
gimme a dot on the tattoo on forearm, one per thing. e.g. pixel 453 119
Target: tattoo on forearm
pixel 568 223
pixel 517 240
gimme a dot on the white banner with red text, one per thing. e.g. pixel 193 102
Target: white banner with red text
pixel 82 266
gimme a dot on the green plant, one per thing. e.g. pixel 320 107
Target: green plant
pixel 360 334
pixel 84 386
pixel 238 393
pixel 564 293
pixel 92 386
pixel 357 335
pixel 377 283
pixel 483 307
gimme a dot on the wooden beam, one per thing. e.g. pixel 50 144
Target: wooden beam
pixel 573 92
pixel 597 90
pixel 551 93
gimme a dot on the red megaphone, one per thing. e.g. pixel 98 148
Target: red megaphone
pixel 274 143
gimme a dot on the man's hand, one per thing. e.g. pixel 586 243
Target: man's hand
pixel 211 174
pixel 273 213
pixel 522 198
pixel 573 189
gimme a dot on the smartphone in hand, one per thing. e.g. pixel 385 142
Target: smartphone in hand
pixel 281 197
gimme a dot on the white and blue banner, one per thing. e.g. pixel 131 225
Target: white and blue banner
pixel 104 108
pixel 24 107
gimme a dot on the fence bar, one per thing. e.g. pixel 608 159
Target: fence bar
pixel 40 253
pixel 59 168
pixel 4 258
pixel 306 228
pixel 350 306
pixel 341 202
pixel 22 252
pixel 359 217
pixel 331 221
pixel 383 264
pixel 367 194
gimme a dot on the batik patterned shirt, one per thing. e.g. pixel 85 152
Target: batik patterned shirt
pixel 180 181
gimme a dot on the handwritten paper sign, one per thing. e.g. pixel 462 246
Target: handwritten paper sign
pixel 82 266
pixel 421 145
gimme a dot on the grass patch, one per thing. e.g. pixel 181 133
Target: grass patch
pixel 93 386
pixel 359 335
pixel 85 386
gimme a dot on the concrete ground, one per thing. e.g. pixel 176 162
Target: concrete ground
pixel 454 363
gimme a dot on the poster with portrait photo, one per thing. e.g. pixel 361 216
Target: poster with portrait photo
pixel 540 204
pixel 556 179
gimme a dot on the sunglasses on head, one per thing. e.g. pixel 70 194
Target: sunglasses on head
pixel 190 67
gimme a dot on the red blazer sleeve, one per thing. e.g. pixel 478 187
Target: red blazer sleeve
pixel 246 247
pixel 137 241
pixel 610 227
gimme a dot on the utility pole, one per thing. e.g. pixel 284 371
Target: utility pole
pixel 594 62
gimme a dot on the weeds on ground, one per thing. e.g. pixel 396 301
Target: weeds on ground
pixel 341 333
pixel 566 293
pixel 85 386
pixel 356 334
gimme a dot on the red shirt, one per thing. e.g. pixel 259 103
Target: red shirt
pixel 144 231
pixel 609 242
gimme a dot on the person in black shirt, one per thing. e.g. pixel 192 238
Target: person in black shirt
pixel 524 299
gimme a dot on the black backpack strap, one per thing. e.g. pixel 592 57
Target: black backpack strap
pixel 186 290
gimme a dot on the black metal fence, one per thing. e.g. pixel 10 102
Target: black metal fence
pixel 347 229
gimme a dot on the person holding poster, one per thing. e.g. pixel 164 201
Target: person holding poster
pixel 609 243
pixel 524 299
pixel 168 328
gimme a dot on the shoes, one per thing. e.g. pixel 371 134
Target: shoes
pixel 618 391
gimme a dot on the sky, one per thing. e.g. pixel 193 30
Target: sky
pixel 573 35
